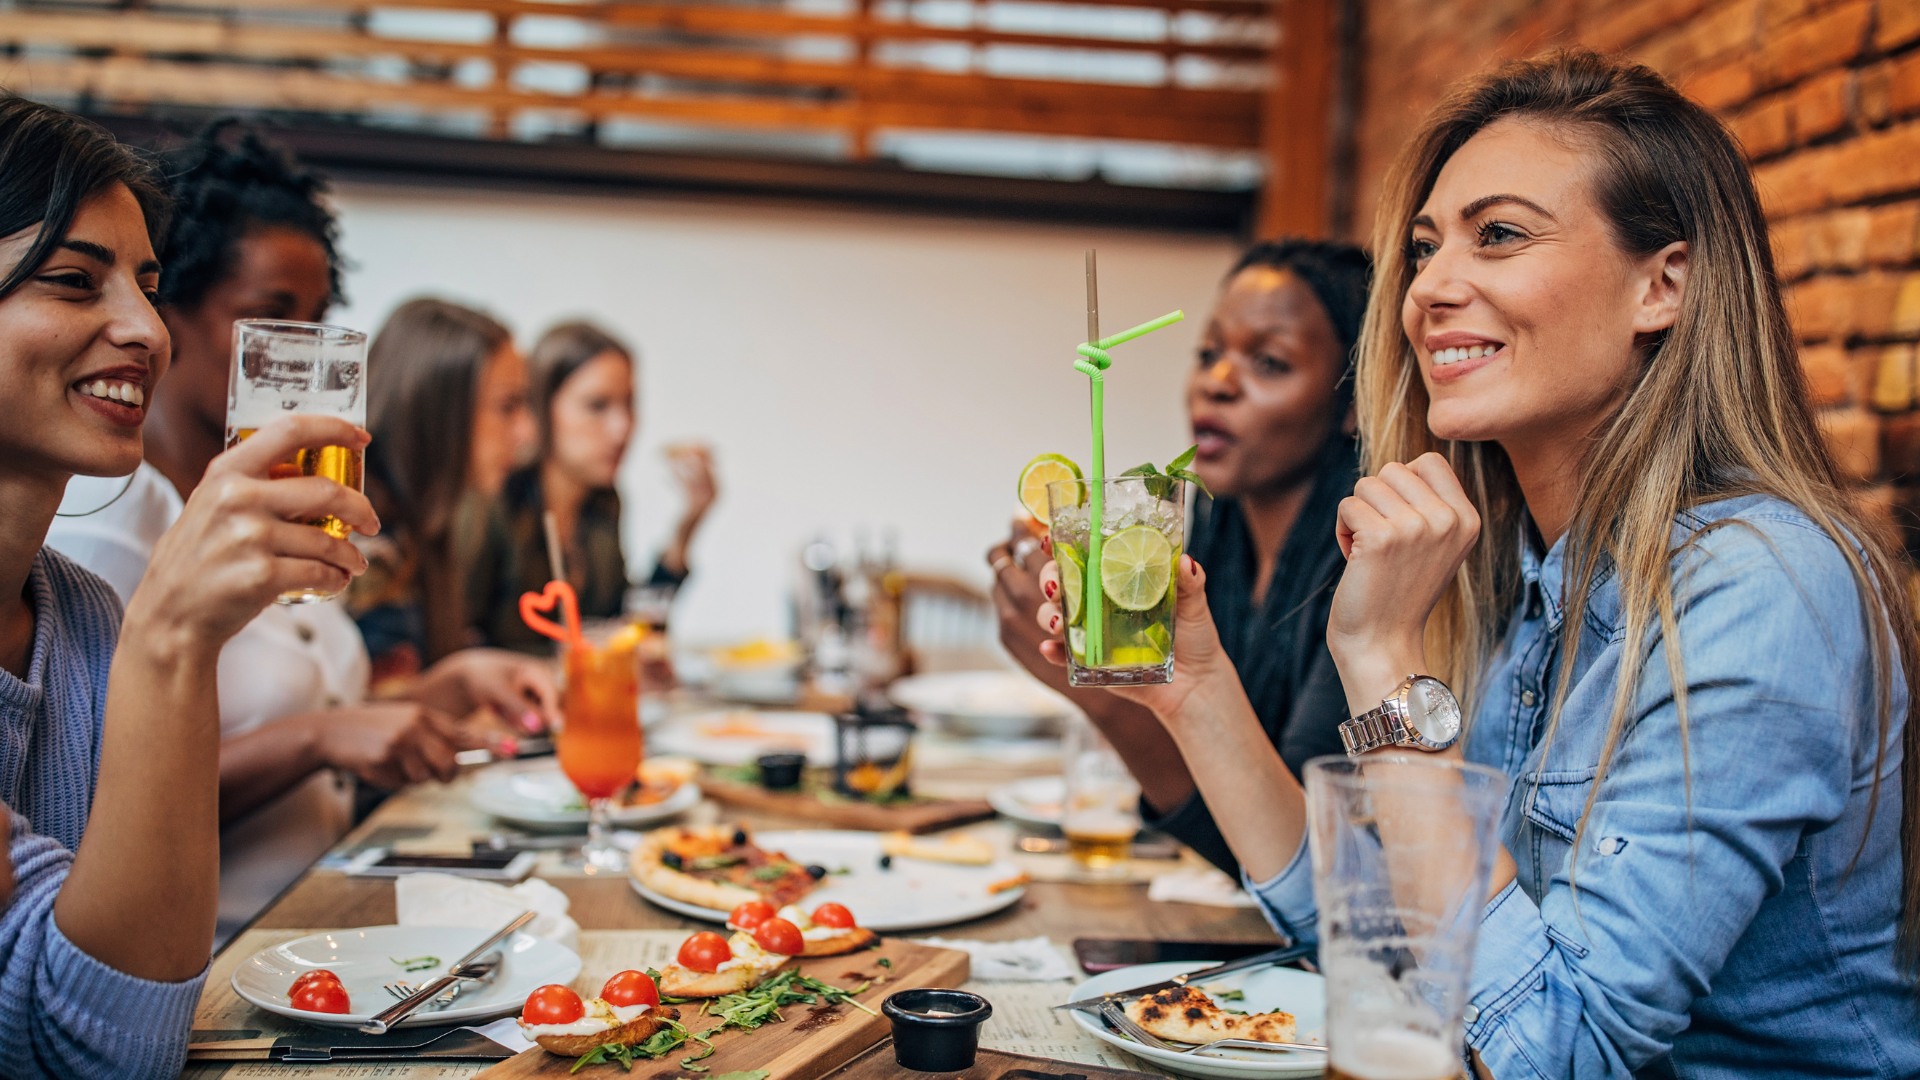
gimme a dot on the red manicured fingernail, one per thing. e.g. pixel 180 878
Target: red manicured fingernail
pixel 1049 590
pixel 1055 624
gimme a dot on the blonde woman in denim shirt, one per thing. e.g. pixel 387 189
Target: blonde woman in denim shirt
pixel 1613 487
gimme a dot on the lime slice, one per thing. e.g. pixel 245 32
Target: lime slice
pixel 1156 636
pixel 1077 641
pixel 1135 567
pixel 1034 479
pixel 1073 578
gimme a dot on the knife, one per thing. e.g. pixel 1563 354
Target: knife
pixel 1274 956
pixel 380 1023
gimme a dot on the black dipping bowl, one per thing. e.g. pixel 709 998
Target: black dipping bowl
pixel 929 1043
pixel 779 772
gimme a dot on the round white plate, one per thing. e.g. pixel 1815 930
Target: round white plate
pixel 913 895
pixel 364 960
pixel 740 736
pixel 535 793
pixel 1301 993
pixel 1036 800
pixel 983 704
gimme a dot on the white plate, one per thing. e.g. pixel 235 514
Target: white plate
pixel 913 895
pixel 364 958
pixel 989 704
pixel 1301 993
pixel 535 793
pixel 740 736
pixel 1036 800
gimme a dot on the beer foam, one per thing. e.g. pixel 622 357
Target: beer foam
pixel 1394 1055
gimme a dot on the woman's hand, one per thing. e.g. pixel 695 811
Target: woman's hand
pixel 1202 674
pixel 393 744
pixel 692 465
pixel 241 540
pixel 518 688
pixel 1405 533
pixel 1017 594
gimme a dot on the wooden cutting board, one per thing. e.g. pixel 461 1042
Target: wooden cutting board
pixel 878 1064
pixel 913 817
pixel 807 1046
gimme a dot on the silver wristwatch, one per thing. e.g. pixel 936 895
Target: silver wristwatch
pixel 1420 714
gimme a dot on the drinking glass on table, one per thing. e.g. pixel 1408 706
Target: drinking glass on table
pixel 599 742
pixel 1117 589
pixel 286 368
pixel 1101 814
pixel 1402 847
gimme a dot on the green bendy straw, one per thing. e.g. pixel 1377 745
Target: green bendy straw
pixel 1094 362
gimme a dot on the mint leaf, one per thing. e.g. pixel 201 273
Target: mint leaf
pixel 1142 470
pixel 1190 477
pixel 1177 464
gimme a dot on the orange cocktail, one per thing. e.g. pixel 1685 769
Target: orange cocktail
pixel 599 746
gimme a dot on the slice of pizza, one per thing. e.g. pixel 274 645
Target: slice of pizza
pixel 829 931
pixel 719 867
pixel 1184 1014
pixel 709 965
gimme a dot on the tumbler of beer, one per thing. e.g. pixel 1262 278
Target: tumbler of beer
pixel 1101 815
pixel 285 368
pixel 1402 846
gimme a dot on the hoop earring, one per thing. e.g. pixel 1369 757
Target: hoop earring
pixel 124 488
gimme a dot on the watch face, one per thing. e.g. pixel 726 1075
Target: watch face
pixel 1432 711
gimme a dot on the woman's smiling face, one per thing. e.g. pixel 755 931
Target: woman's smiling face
pixel 1525 314
pixel 81 346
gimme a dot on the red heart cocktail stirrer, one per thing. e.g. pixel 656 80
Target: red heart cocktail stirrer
pixel 532 604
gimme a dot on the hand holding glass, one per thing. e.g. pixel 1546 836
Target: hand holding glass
pixel 287 368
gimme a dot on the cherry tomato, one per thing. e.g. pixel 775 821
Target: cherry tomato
pixel 630 988
pixel 705 951
pixel 833 915
pixel 321 996
pixel 311 977
pixel 553 1004
pixel 780 936
pixel 750 914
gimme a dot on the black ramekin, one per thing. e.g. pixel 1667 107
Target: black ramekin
pixel 926 1043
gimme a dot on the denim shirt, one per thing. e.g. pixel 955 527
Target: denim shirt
pixel 1722 931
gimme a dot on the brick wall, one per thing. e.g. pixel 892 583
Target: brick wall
pixel 1824 95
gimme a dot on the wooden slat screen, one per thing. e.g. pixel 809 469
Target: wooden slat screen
pixel 1173 71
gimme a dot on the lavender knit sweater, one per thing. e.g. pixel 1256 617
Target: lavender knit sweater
pixel 63 1013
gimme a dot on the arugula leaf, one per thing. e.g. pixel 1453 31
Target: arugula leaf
pixel 416 963
pixel 664 1041
pixel 885 963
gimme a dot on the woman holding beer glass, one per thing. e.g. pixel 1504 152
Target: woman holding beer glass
pixel 111 724
pixel 1601 514
pixel 250 239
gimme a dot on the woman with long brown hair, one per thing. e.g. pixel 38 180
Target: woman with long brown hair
pixel 1599 510
pixel 447 402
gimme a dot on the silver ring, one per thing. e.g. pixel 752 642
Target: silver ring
pixel 1024 548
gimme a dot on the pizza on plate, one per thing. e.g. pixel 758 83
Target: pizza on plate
pixel 1184 1014
pixel 718 867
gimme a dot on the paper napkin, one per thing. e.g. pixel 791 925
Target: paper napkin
pixel 446 900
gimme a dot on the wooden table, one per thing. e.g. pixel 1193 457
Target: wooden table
pixel 1060 911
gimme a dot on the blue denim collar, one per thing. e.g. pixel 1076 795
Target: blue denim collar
pixel 1544 575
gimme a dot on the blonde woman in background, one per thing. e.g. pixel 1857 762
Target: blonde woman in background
pixel 1598 507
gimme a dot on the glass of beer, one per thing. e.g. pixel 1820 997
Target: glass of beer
pixel 1101 814
pixel 599 741
pixel 1402 847
pixel 284 368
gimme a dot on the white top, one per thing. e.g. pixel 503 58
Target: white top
pixel 290 659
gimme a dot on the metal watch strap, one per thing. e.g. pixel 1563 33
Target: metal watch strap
pixel 1373 729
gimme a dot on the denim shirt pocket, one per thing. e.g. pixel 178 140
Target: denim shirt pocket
pixel 1553 802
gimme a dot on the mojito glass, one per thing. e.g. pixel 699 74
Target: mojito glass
pixel 1118 593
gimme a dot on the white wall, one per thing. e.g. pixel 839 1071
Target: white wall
pixel 852 370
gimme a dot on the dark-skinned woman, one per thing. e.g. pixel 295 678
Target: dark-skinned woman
pixel 1270 402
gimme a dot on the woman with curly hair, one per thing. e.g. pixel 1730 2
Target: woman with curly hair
pixel 251 239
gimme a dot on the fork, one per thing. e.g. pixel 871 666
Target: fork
pixel 1116 1018
pixel 401 990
